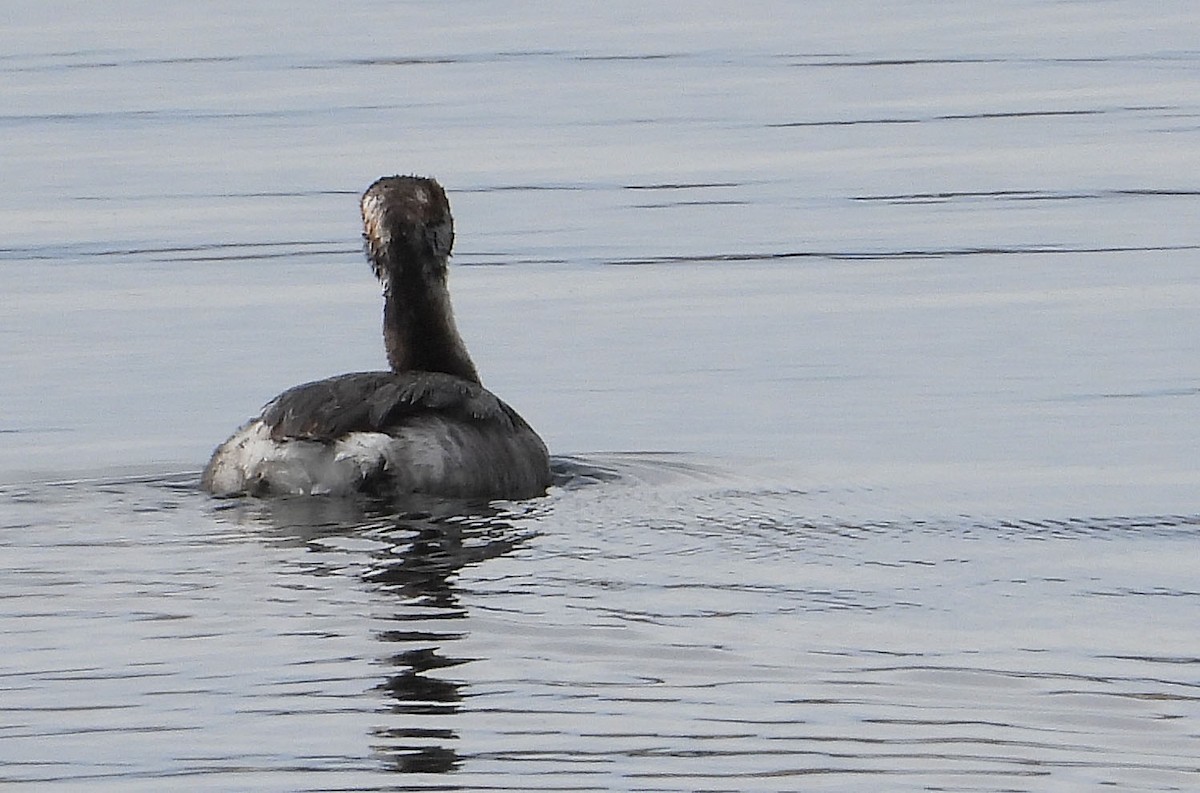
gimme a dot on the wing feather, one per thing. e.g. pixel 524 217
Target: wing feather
pixel 325 410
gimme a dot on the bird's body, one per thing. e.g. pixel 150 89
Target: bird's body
pixel 428 425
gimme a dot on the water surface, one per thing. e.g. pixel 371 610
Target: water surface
pixel 863 335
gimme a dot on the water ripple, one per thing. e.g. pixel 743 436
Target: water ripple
pixel 649 592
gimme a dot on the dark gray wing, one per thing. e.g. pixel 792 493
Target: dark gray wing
pixel 378 402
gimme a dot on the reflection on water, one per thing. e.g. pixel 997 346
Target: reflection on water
pixel 408 559
pixel 655 621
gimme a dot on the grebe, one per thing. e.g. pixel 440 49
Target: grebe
pixel 428 425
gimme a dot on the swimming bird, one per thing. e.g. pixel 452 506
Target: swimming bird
pixel 426 426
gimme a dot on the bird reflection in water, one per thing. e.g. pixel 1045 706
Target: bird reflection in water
pixel 412 557
pixel 419 572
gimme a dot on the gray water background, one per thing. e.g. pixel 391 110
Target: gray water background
pixel 864 334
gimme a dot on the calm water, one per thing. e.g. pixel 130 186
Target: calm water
pixel 865 335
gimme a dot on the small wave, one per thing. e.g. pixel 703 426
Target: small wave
pixel 651 468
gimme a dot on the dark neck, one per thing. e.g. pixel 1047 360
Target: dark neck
pixel 418 323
